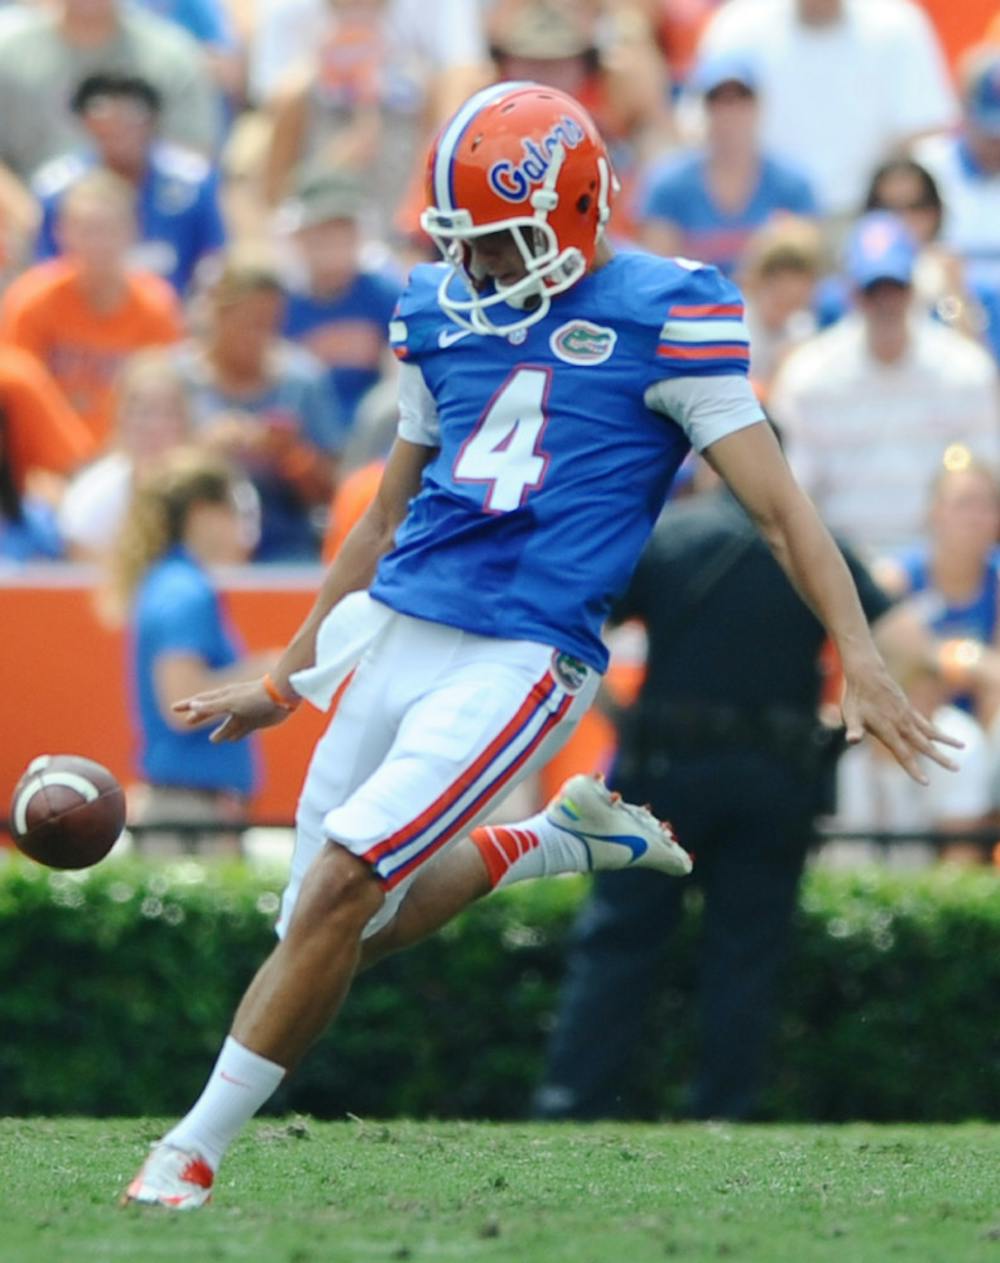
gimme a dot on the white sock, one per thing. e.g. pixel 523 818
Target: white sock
pixel 531 848
pixel 238 1086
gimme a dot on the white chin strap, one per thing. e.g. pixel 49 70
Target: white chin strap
pixel 549 270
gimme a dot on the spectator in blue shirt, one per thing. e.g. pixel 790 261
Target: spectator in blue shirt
pixel 177 194
pixel 342 313
pixel 706 204
pixel 265 404
pixel 953 576
pixel 183 521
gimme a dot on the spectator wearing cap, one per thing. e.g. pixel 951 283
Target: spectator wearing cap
pixel 706 204
pixel 265 404
pixel 842 83
pixel 966 168
pixel 44 56
pixel 177 195
pixel 869 406
pixel 341 313
pixel 906 188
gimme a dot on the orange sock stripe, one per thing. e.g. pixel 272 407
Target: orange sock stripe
pixel 512 845
pixel 493 857
pixel 524 841
pixel 501 847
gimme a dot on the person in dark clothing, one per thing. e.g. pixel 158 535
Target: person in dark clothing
pixel 724 741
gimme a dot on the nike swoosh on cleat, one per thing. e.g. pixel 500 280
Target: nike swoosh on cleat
pixel 638 846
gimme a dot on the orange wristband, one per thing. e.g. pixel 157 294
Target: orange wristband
pixel 278 697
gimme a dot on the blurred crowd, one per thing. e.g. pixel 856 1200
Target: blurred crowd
pixel 208 209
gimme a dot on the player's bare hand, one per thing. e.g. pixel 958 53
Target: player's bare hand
pixel 874 702
pixel 242 708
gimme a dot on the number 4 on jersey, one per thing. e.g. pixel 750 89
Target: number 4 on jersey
pixel 504 450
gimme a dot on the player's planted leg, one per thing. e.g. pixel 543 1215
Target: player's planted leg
pixel 299 989
pixel 294 996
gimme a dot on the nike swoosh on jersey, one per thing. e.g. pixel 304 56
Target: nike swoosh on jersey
pixel 447 336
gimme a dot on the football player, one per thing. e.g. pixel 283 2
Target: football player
pixel 549 391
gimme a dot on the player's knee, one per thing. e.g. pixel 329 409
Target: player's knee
pixel 341 888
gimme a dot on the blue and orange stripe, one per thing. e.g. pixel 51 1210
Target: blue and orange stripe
pixel 538 700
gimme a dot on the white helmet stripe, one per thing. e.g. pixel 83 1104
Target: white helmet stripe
pixel 455 131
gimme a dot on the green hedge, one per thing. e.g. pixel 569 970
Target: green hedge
pixel 118 984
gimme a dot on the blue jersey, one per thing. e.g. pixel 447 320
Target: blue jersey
pixel 552 465
pixel 177 206
pixel 348 332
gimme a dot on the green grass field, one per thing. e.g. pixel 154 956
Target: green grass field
pixel 306 1192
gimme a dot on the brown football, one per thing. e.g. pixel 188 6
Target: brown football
pixel 67 811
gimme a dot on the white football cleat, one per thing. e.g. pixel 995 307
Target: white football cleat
pixel 616 834
pixel 171 1177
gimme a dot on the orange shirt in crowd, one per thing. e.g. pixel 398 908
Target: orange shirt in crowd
pixel 40 430
pixel 46 312
pixel 959 23
pixel 350 500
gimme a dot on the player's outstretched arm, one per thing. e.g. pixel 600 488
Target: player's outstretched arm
pixel 267 701
pixel 752 464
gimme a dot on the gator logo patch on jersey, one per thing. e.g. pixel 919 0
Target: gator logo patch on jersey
pixel 580 342
pixel 569 671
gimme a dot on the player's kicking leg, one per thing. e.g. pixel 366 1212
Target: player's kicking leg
pixel 585 828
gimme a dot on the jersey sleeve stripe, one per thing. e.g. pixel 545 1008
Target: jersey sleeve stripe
pixel 704 331
pixel 715 351
pixel 713 310
pixel 398 334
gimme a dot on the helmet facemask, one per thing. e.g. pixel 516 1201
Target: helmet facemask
pixel 549 270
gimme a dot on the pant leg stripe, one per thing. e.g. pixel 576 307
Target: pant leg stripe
pixel 393 859
pixel 478 802
pixel 538 695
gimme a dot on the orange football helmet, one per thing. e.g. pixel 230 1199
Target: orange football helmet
pixel 528 159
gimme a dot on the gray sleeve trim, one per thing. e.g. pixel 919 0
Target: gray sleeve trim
pixel 706 408
pixel 418 418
